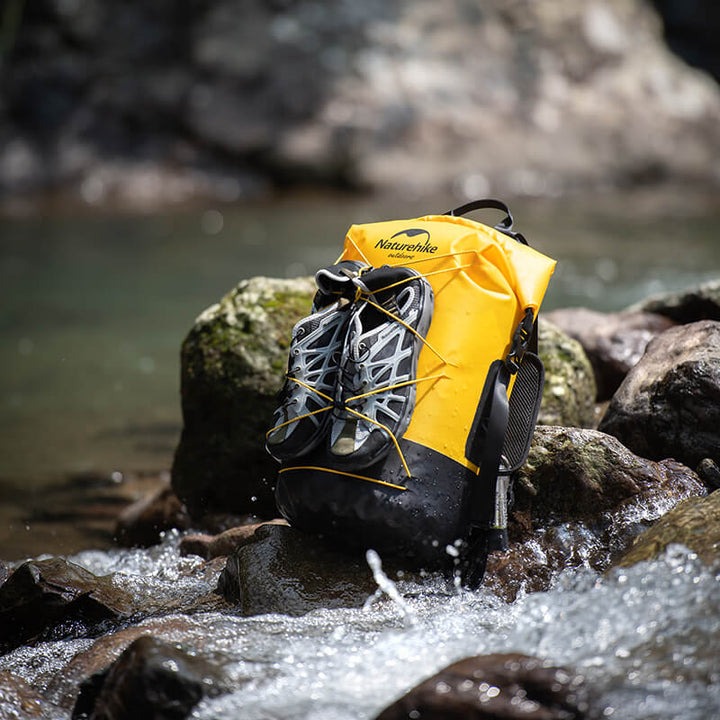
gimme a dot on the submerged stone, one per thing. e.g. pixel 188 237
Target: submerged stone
pixel 19 699
pixel 151 679
pixel 487 687
pixel 57 597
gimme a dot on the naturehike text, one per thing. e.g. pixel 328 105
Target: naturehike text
pixel 423 247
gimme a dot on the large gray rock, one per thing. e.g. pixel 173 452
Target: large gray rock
pixel 233 363
pixel 669 404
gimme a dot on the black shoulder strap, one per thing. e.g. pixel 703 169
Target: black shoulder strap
pixel 484 448
pixel 499 441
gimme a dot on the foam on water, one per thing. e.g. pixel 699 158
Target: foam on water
pixel 646 638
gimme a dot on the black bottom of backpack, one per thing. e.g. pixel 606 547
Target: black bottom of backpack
pixel 414 525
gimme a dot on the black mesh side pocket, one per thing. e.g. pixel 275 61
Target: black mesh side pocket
pixel 524 403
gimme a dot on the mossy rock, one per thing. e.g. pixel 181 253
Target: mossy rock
pixel 232 366
pixel 694 523
pixel 570 390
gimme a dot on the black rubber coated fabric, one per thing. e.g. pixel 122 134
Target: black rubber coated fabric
pixel 416 524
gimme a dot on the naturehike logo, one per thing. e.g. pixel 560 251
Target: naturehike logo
pixel 418 241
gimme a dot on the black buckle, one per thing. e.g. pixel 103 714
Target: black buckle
pixel 520 342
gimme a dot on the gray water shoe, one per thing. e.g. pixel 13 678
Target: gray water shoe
pixel 304 402
pixel 375 393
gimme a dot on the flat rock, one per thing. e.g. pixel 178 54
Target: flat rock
pixel 286 571
pixel 225 543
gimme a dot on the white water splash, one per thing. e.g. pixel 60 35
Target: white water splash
pixel 388 587
pixel 645 637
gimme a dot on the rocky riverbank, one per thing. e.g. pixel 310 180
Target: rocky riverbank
pixel 237 99
pixel 608 484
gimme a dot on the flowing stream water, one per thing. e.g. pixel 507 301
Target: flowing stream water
pixel 645 639
pixel 94 311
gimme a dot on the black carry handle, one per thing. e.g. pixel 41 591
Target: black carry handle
pixel 504 226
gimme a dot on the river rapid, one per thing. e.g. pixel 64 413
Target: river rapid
pixel 645 638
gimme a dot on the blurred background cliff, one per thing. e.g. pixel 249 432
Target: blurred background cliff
pixel 149 104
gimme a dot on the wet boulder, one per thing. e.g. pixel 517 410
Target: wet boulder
pixel 495 686
pixel 569 392
pixel 581 500
pixel 151 679
pixel 575 473
pixel 232 365
pixel 694 523
pixel 54 597
pixel 669 403
pixel 186 630
pixel 613 342
pixel 280 569
pixel 58 599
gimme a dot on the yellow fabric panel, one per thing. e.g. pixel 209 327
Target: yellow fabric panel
pixel 483 281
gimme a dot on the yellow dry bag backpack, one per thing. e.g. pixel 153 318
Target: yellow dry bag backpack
pixel 412 390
